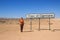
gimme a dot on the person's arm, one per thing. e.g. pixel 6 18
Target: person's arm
pixel 19 21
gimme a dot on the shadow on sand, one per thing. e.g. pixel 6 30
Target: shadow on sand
pixel 27 31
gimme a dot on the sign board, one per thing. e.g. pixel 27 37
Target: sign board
pixel 50 15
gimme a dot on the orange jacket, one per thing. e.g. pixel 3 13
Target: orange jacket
pixel 21 21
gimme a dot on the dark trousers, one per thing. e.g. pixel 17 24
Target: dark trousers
pixel 21 27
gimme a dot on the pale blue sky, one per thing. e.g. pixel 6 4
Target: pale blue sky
pixel 19 8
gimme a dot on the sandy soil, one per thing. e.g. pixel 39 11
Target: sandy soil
pixel 12 31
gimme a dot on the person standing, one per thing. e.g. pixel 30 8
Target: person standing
pixel 21 20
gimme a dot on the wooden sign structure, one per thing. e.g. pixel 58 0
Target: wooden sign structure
pixel 40 16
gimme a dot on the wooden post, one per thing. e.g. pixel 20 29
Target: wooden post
pixel 39 25
pixel 31 24
pixel 49 24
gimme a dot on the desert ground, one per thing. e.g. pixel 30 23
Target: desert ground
pixel 10 29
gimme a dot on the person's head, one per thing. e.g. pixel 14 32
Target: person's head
pixel 21 17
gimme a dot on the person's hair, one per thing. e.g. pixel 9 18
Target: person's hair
pixel 21 17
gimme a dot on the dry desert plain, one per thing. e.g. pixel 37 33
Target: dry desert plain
pixel 10 29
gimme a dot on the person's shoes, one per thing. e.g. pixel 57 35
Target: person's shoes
pixel 21 31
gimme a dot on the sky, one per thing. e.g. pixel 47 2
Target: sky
pixel 19 8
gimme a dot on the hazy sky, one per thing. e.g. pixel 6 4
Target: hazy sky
pixel 19 8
